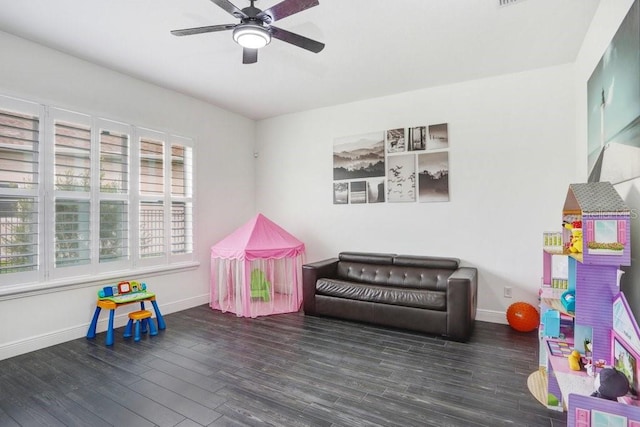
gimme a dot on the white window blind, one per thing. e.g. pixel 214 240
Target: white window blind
pixel 114 218
pixel 151 166
pixel 19 143
pixel 114 230
pixel 181 197
pixel 114 162
pixel 72 157
pixel 181 238
pixel 152 229
pixel 72 232
pixel 72 190
pixel 152 212
pixel 81 195
pixel 19 182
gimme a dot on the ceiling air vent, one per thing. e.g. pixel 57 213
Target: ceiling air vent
pixel 508 2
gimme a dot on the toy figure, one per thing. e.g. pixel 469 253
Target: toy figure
pixel 610 384
pixel 575 244
pixel 575 361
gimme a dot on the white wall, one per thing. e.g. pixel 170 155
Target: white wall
pixel 224 180
pixel 517 141
pixel 605 24
pixel 511 160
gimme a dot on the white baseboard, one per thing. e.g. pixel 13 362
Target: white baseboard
pixel 33 343
pixel 26 345
pixel 491 316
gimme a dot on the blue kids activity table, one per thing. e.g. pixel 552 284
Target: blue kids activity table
pixel 112 302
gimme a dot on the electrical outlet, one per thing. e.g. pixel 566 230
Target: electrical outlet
pixel 507 291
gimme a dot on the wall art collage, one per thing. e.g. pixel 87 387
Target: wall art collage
pixel 396 166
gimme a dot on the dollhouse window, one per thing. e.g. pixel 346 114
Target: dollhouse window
pixel 606 231
pixel 599 418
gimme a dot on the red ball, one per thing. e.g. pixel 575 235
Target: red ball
pixel 523 317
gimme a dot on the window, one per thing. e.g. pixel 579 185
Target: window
pixel 165 201
pixel 115 195
pixel 20 130
pixel 83 195
pixel 152 195
pixel 181 197
pixel 71 189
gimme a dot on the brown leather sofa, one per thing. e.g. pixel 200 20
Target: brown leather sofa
pixel 427 294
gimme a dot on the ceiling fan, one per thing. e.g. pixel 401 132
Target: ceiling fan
pixel 255 30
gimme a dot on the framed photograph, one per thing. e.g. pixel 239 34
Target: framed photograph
pixel 433 177
pixel 418 138
pixel 438 137
pixel 359 156
pixel 375 190
pixel 340 193
pixel 613 107
pixel 401 178
pixel 396 142
pixel 358 192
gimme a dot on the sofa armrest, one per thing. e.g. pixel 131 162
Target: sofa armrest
pixel 462 300
pixel 327 268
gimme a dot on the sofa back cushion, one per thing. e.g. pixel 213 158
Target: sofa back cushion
pixel 426 262
pixel 405 271
pixel 366 257
pixel 434 279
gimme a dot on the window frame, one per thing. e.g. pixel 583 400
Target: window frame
pixel 52 271
pixel 151 198
pixel 128 262
pixel 37 193
pixel 187 198
pixel 47 275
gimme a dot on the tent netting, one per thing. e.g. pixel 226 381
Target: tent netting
pixel 257 270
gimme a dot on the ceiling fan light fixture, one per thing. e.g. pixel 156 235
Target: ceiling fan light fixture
pixel 251 36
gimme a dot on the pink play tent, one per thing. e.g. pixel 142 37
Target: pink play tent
pixel 257 270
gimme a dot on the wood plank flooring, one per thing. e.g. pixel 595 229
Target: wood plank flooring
pixel 213 369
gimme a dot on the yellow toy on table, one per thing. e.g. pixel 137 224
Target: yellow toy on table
pixel 575 361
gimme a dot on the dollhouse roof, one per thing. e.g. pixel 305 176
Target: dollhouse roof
pixel 594 197
pixel 260 238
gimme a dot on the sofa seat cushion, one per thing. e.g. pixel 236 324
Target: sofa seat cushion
pixel 419 298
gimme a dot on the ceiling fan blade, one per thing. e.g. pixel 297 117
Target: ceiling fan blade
pixel 296 39
pixel 249 56
pixel 200 30
pixel 230 8
pixel 285 8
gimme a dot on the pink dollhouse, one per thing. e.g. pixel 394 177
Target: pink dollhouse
pixel 605 247
pixel 596 243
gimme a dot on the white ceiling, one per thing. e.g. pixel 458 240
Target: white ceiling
pixel 373 47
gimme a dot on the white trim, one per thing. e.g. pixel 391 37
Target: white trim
pixel 27 345
pixel 78 282
pixel 492 316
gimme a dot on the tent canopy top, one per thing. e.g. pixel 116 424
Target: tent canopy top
pixel 259 238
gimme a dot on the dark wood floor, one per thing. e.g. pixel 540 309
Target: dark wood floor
pixel 214 369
